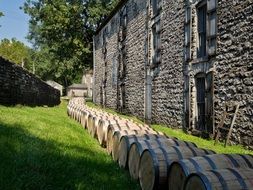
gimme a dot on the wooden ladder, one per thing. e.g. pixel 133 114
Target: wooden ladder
pixel 221 124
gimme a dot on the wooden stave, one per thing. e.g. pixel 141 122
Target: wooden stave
pixel 186 167
pixel 85 118
pixel 95 124
pixel 219 180
pixel 127 141
pixel 91 121
pixel 164 157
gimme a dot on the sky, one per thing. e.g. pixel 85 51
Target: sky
pixel 14 23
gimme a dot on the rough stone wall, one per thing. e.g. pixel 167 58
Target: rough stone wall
pixel 104 72
pixel 234 65
pixel 231 67
pixel 135 58
pixel 18 86
pixel 98 69
pixel 167 87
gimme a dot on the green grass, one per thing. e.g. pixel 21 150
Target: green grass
pixel 200 142
pixel 42 148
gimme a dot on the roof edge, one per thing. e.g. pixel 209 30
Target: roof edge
pixel 120 4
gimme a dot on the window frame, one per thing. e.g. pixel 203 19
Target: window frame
pixel 212 38
pixel 202 53
pixel 187 33
pixel 156 44
pixel 156 7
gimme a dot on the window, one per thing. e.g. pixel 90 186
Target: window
pixel 156 6
pixel 123 23
pixel 212 26
pixel 187 31
pixel 114 71
pixel 202 14
pixel 156 44
pixel 206 32
pixel 201 104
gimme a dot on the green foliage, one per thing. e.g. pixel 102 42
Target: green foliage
pixel 42 148
pixel 65 28
pixel 15 51
pixel 1 14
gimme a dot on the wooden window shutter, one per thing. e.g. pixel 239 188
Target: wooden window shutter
pixel 209 101
pixel 187 101
pixel 188 29
pixel 211 26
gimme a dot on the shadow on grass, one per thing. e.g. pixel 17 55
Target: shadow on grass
pixel 29 162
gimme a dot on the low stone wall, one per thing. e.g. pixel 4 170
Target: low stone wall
pixel 18 86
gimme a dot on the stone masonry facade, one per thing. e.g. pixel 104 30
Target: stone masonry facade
pixel 178 62
pixel 18 86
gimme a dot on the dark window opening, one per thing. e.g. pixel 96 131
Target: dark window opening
pixel 156 44
pixel 202 13
pixel 201 105
pixel 156 6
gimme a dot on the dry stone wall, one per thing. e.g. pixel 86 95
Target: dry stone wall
pixel 234 65
pixel 167 87
pixel 229 72
pixel 107 76
pixel 18 86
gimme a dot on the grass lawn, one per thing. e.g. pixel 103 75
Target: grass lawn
pixel 202 143
pixel 42 148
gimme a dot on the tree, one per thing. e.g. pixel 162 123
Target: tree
pixel 15 51
pixel 65 28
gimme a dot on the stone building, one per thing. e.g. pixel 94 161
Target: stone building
pixel 178 62
pixel 77 90
pixel 87 79
pixel 55 85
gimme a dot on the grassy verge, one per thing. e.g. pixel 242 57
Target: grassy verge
pixel 202 143
pixel 41 148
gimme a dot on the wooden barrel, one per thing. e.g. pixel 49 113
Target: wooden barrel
pixel 181 169
pixel 127 141
pixel 119 134
pixel 155 163
pixel 137 149
pixel 90 121
pixel 78 115
pixel 74 112
pixel 84 118
pixel 96 119
pixel 223 179
pixel 117 127
pixel 103 127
